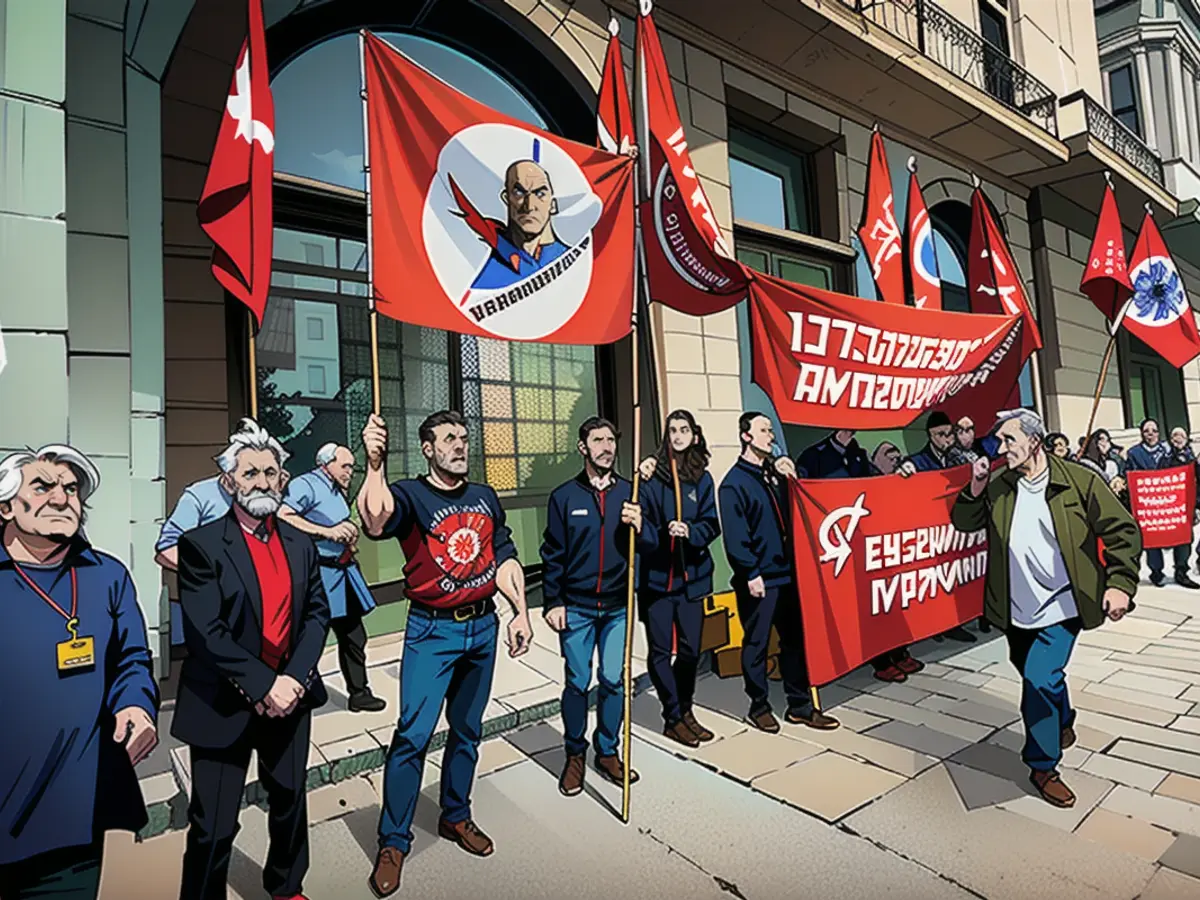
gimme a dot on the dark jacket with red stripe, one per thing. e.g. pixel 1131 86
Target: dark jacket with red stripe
pixel 754 520
pixel 585 547
pixel 680 565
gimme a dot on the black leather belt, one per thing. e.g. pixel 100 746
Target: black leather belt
pixel 476 610
pixel 332 562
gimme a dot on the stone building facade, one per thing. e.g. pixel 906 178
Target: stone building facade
pixel 119 340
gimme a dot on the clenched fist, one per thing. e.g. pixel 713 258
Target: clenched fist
pixel 981 469
pixel 375 441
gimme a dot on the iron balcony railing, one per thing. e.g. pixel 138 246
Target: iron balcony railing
pixel 963 53
pixel 1115 135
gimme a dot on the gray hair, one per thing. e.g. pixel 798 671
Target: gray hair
pixel 327 453
pixel 11 475
pixel 249 436
pixel 1031 423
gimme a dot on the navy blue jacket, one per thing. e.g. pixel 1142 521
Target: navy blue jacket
pixel 62 776
pixel 927 460
pixel 1143 458
pixel 585 546
pixel 828 459
pixel 754 523
pixel 677 565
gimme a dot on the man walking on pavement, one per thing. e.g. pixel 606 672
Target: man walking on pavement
pixel 1044 518
pixel 316 504
pixel 80 701
pixel 585 571
pixel 458 553
pixel 755 521
pixel 255 621
pixel 1149 455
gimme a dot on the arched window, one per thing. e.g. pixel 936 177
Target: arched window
pixel 523 402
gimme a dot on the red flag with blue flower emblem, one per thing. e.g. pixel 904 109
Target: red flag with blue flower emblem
pixel 924 279
pixel 1160 314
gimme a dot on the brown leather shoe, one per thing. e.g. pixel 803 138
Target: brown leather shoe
pixel 385 879
pixel 468 836
pixel 1068 738
pixel 765 721
pixel 570 782
pixel 891 673
pixel 1052 789
pixel 813 719
pixel 703 735
pixel 610 769
pixel 681 734
pixel 908 665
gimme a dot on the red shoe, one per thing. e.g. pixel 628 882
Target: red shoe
pixel 909 666
pixel 891 673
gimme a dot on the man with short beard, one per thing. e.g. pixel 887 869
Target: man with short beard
pixel 585 571
pixel 315 503
pixel 676 575
pixel 255 620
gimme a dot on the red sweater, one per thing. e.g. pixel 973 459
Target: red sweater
pixel 275 584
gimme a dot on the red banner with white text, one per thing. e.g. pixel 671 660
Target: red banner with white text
pixel 834 361
pixel 1163 502
pixel 879 566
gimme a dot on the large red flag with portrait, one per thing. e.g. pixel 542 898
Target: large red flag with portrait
pixel 485 225
pixel 235 208
pixel 1160 315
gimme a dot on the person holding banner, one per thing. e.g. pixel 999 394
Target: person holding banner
pixel 836 456
pixel 1044 520
pixel 755 520
pixel 1152 454
pixel 584 580
pixel 676 575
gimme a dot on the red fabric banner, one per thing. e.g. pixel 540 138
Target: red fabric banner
pixel 236 205
pixel 878 566
pixel 1106 279
pixel 921 265
pixel 688 262
pixel 878 231
pixel 835 361
pixel 614 116
pixel 1160 314
pixel 1163 502
pixel 485 225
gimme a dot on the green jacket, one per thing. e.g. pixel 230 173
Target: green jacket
pixel 1083 509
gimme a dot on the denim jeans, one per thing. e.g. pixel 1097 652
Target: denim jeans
pixel 1041 656
pixel 593 632
pixel 1180 556
pixel 674 616
pixel 779 607
pixel 446 661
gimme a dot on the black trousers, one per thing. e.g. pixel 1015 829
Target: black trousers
pixel 70 873
pixel 667 616
pixel 352 650
pixel 885 660
pixel 779 607
pixel 218 779
pixel 1180 556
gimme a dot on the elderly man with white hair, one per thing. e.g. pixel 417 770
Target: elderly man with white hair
pixel 80 702
pixel 315 503
pixel 1044 519
pixel 255 620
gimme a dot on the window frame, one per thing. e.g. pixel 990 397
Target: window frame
pixel 795 167
pixel 1134 107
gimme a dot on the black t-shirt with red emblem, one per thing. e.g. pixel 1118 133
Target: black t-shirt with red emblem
pixel 453 541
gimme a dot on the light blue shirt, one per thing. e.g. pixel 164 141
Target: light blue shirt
pixel 317 499
pixel 200 503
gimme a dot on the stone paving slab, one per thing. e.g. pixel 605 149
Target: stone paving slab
pixel 1125 835
pixel 829 785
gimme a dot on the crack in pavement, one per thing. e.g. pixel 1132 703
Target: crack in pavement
pixel 725 885
pixel 846 829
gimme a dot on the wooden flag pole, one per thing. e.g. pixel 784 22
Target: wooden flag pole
pixel 630 611
pixel 373 314
pixel 253 359
pixel 1108 354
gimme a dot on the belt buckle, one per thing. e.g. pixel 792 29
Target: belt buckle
pixel 464 613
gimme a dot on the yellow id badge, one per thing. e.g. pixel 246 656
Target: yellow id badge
pixel 78 653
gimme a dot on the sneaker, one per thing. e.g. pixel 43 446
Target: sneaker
pixel 703 735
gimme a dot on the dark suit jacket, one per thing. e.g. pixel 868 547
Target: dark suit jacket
pixel 224 675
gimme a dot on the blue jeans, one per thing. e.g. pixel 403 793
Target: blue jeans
pixel 1041 656
pixel 446 661
pixel 593 632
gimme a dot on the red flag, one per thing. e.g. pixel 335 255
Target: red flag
pixel 1160 314
pixel 1106 278
pixel 614 117
pixel 1163 502
pixel 992 276
pixel 235 208
pixel 878 231
pixel 485 225
pixel 921 266
pixel 688 261
pixel 878 566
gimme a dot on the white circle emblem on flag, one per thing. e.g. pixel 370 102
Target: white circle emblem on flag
pixel 507 227
pixel 1158 295
pixel 924 261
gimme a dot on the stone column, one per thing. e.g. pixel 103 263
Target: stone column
pixel 1181 141
pixel 1144 100
pixel 1188 82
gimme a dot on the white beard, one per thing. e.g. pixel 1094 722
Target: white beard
pixel 260 504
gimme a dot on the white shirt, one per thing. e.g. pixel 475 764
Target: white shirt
pixel 1038 582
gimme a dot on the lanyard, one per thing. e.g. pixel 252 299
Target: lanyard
pixel 72 619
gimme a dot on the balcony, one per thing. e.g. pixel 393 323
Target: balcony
pixel 1104 126
pixel 963 53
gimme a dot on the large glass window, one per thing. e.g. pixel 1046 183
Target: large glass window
pixel 1123 98
pixel 770 183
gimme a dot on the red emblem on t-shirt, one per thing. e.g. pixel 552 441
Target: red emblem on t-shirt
pixel 461 545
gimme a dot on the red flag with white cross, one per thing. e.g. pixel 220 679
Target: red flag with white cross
pixel 1160 315
pixel 1106 279
pixel 878 231
pixel 235 208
